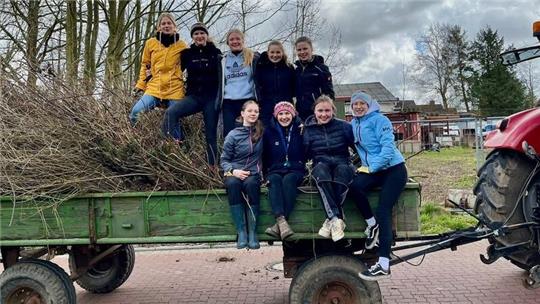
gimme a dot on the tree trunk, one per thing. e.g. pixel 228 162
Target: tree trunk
pixel 113 61
pixel 71 41
pixel 32 41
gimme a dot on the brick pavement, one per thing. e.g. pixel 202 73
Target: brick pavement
pixel 196 276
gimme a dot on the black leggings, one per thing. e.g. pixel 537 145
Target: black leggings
pixel 392 182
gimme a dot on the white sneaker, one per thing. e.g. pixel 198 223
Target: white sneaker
pixel 325 231
pixel 372 236
pixel 338 225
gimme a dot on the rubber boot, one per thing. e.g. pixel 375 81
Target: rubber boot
pixel 253 241
pixel 239 218
pixel 284 228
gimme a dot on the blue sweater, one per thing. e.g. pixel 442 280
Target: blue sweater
pixel 239 82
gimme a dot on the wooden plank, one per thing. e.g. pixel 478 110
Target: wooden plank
pixel 180 216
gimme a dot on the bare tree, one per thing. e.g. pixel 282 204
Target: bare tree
pixel 433 62
pixel 29 26
pixel 458 47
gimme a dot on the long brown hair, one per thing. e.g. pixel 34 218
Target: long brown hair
pixel 258 127
pixel 248 53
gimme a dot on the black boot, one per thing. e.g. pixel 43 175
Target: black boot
pixel 253 215
pixel 239 218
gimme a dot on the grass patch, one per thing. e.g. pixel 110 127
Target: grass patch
pixel 464 182
pixel 451 168
pixel 435 219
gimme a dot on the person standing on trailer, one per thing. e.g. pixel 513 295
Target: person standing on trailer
pixel 161 56
pixel 312 78
pixel 274 80
pixel 382 166
pixel 241 163
pixel 284 165
pixel 202 61
pixel 238 78
pixel 327 141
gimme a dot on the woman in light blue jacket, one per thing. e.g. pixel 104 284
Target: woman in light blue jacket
pixel 382 166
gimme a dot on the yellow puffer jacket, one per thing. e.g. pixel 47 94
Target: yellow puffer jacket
pixel 167 81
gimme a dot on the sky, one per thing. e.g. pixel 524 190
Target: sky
pixel 379 37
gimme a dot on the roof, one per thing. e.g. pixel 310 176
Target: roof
pixel 376 89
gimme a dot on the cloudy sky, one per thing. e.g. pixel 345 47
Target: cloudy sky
pixel 378 37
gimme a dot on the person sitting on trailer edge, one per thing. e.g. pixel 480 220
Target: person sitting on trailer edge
pixel 241 162
pixel 382 166
pixel 327 141
pixel 284 165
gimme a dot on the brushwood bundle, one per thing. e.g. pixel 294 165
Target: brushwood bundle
pixel 56 140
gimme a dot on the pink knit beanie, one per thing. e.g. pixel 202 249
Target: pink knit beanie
pixel 284 106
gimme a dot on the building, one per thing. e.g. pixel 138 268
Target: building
pixel 402 113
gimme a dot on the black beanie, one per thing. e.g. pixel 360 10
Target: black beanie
pixel 198 27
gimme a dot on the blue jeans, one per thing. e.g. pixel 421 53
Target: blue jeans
pixel 392 182
pixel 251 187
pixel 188 106
pixel 333 181
pixel 282 191
pixel 146 103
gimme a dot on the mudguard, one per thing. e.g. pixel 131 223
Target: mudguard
pixel 514 129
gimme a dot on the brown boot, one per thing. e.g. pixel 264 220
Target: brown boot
pixel 273 231
pixel 285 230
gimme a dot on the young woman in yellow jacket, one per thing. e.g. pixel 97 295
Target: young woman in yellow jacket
pixel 161 56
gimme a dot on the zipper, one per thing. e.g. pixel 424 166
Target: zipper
pixel 360 143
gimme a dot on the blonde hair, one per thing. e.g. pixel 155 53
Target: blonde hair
pixel 165 15
pixel 248 53
pixel 325 98
pixel 280 45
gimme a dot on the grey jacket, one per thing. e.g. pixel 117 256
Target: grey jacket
pixel 239 152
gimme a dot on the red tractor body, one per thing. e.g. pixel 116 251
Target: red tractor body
pixel 516 128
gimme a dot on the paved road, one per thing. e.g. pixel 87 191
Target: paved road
pixel 198 276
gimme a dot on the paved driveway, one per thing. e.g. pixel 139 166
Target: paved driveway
pixel 227 275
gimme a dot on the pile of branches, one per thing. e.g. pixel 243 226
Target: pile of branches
pixel 56 140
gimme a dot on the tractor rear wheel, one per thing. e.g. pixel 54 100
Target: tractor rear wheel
pixel 500 183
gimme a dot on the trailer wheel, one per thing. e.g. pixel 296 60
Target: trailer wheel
pixel 109 273
pixel 34 281
pixel 333 279
pixel 497 191
pixel 66 280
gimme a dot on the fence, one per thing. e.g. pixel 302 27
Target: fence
pixel 416 135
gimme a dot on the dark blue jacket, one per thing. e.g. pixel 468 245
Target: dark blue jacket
pixel 274 154
pixel 203 66
pixel 328 143
pixel 313 79
pixel 239 152
pixel 274 82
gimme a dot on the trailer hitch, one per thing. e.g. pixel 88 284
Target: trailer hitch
pixel 533 280
pixel 494 253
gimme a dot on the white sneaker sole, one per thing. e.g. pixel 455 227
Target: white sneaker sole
pixel 324 234
pixel 371 278
pixel 338 236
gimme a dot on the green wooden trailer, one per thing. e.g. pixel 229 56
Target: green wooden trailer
pixel 98 231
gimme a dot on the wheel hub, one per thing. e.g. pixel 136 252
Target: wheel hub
pixel 335 293
pixel 25 295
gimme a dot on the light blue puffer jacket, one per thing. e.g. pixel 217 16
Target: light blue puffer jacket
pixel 374 139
